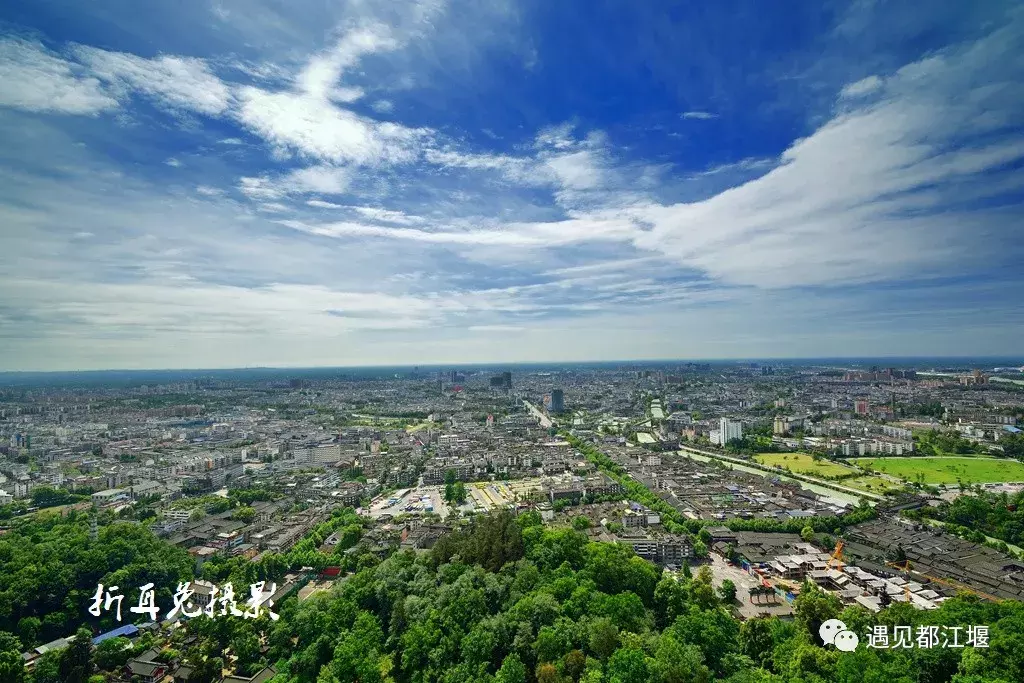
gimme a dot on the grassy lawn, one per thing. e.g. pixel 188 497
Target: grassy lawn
pixel 940 452
pixel 802 463
pixel 871 484
pixel 971 469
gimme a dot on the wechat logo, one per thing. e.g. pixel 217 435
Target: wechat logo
pixel 834 632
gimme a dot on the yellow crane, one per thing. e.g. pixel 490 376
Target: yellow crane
pixel 837 556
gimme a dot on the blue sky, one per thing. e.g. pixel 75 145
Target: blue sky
pixel 259 182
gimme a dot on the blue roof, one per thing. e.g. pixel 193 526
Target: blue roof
pixel 128 630
pixel 1011 429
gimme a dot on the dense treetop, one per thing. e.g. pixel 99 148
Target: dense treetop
pixel 504 600
pixel 510 600
pixel 51 569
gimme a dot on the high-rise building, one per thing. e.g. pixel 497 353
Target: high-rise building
pixel 507 376
pixel 861 407
pixel 556 401
pixel 729 430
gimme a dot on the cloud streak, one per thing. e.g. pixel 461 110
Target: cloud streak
pixel 37 80
pixel 699 115
pixel 362 192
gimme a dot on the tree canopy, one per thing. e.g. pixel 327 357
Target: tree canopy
pixel 508 600
pixel 51 568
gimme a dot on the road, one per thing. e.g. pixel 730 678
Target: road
pixel 545 421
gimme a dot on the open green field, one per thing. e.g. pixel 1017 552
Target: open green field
pixel 973 469
pixel 872 484
pixel 422 425
pixel 802 463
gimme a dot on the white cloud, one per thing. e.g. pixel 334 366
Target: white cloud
pixel 318 129
pixel 557 137
pixel 865 86
pixel 387 216
pixel 178 82
pixel 309 180
pixel 308 120
pixel 319 78
pixel 34 79
pixel 889 189
pixel 283 309
pixel 319 204
pixel 260 188
pixel 699 115
pixel 319 179
pixel 174 163
pixel 523 235
pixel 862 198
pixel 560 160
pixel 370 212
pixel 516 168
pixel 748 164
pixel 578 170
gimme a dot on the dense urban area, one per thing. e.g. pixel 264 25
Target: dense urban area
pixel 617 522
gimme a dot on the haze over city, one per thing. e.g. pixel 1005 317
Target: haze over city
pixel 223 184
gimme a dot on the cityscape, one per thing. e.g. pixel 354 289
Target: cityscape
pixel 858 485
pixel 511 341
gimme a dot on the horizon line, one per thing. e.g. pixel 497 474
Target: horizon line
pixel 1018 361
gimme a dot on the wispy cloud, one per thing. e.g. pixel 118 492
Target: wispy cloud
pixel 176 82
pixel 280 188
pixel 36 79
pixel 862 87
pixel 324 180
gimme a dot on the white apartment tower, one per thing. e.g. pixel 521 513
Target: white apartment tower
pixel 729 430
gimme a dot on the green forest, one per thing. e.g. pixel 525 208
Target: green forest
pixel 511 601
pixel 946 443
pixel 50 569
pixel 505 600
pixel 981 514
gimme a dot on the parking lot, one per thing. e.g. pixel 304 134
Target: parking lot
pixel 414 501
